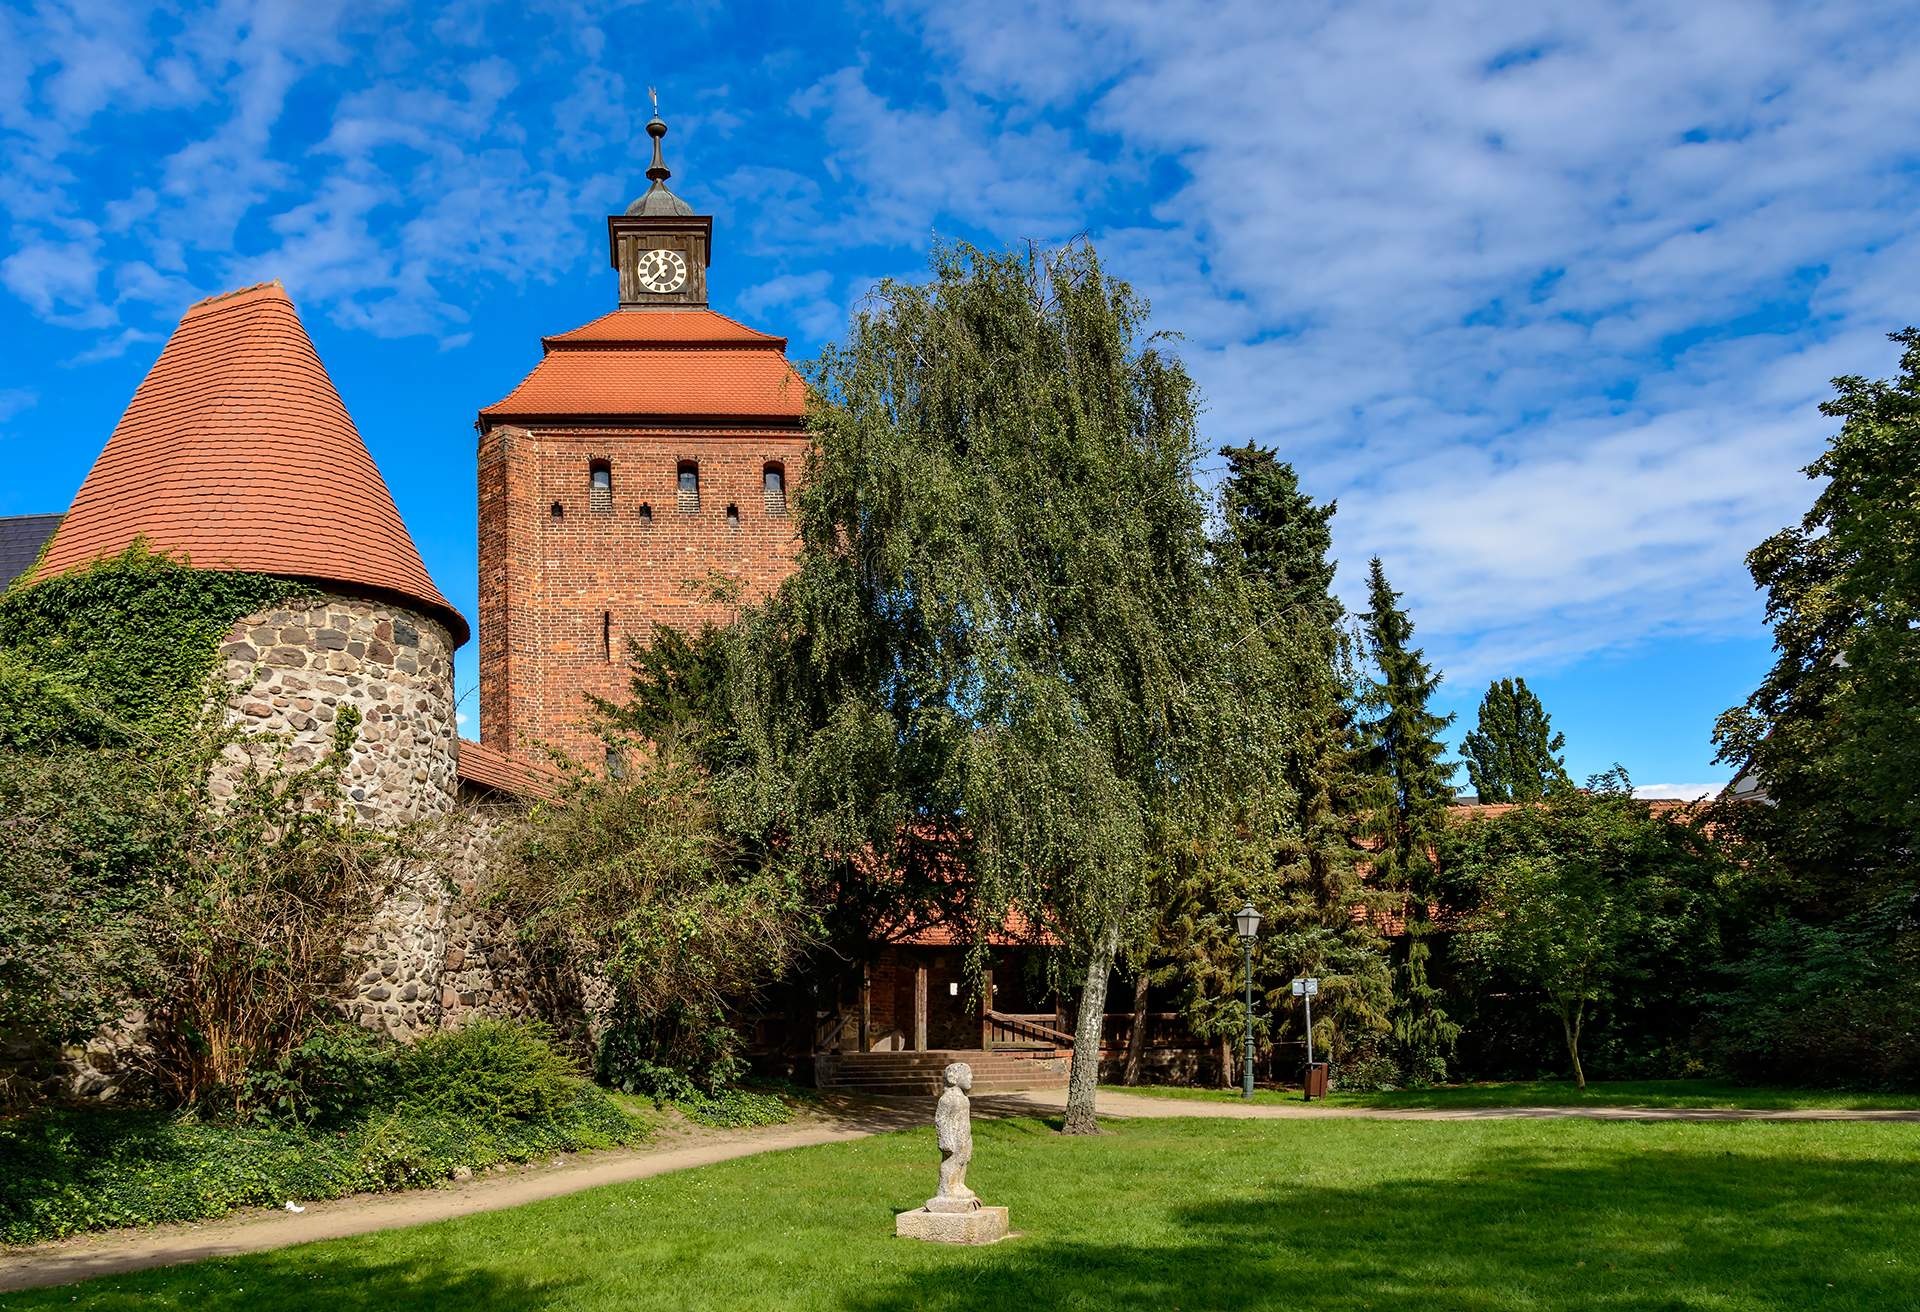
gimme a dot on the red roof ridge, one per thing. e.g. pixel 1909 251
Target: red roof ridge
pixel 648 328
pixel 272 289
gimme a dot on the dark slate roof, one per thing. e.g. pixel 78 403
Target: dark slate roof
pixel 658 200
pixel 21 537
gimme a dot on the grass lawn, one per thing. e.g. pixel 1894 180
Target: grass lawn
pixel 1561 1093
pixel 1481 1216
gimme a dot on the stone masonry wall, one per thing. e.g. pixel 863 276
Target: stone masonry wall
pixel 292 669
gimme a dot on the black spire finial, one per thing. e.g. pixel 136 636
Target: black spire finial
pixel 657 129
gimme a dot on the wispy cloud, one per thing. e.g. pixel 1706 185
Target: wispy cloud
pixel 1546 297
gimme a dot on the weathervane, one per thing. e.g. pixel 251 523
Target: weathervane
pixel 654 96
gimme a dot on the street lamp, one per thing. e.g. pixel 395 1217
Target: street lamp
pixel 1247 922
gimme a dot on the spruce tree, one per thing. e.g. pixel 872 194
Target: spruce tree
pixel 1409 785
pixel 1514 754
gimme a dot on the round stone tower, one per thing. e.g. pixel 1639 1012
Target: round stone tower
pixel 238 453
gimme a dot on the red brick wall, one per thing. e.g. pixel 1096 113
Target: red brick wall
pixel 560 597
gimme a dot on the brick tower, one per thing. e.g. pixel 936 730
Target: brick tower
pixel 647 452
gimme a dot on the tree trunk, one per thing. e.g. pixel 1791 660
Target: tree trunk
pixel 1084 1077
pixel 1137 1036
pixel 1570 1022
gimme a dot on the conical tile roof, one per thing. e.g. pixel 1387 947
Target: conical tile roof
pixel 237 452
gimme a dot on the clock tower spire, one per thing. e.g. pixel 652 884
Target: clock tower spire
pixel 660 246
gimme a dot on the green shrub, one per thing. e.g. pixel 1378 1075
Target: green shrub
pixel 488 1072
pixel 735 1109
pixel 72 1171
pixel 338 1072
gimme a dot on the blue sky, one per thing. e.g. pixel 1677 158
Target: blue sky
pixel 1545 295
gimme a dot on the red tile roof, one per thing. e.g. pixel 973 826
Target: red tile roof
pixel 489 767
pixel 683 364
pixel 651 327
pixel 237 452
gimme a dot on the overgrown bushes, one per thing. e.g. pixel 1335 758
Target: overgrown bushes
pixel 632 888
pixel 360 1115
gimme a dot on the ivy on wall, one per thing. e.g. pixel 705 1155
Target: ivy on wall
pixel 121 650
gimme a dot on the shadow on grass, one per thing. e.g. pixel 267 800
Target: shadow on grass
pixel 1669 1230
pixel 283 1280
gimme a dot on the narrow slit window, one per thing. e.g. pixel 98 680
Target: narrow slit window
pixel 689 485
pixel 733 517
pixel 600 486
pixel 559 511
pixel 606 633
pixel 774 480
pixel 646 515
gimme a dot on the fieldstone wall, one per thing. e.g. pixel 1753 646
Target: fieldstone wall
pixel 436 955
pixel 293 669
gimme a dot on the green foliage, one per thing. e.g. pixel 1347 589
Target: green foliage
pixel 631 881
pixel 119 651
pixel 130 883
pixel 489 1071
pixel 1514 755
pixel 677 700
pixel 1276 532
pixel 1833 731
pixel 72 1171
pixel 1306 880
pixel 123 878
pixel 84 844
pixel 1408 786
pixel 1587 900
pixel 336 1072
pixel 1825 1004
pixel 1423 1035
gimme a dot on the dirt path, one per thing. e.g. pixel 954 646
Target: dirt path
pixel 115 1252
pixel 834 1120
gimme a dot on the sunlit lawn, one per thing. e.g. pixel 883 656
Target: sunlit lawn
pixel 1559 1093
pixel 1480 1216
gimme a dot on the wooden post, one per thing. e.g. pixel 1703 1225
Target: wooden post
pixel 986 1005
pixel 866 1008
pixel 920 1007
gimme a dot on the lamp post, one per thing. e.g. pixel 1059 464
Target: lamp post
pixel 1247 922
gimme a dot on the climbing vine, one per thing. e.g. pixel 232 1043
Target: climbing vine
pixel 120 651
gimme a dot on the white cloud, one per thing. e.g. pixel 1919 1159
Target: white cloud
pixel 13 400
pixel 1545 297
pixel 1677 792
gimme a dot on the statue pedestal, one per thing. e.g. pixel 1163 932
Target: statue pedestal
pixel 981 1225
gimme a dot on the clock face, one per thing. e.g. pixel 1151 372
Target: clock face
pixel 662 271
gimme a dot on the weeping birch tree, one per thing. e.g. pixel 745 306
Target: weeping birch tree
pixel 1003 629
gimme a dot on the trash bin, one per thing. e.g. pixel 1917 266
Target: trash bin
pixel 1315 1080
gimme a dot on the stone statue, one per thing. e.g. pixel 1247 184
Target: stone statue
pixel 952 1120
pixel 955 1215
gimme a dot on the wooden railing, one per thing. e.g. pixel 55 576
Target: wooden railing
pixel 830 1033
pixel 1009 1030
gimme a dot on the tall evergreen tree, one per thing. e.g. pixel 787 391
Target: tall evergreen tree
pixel 1278 541
pixel 1514 754
pixel 1409 785
pixel 1276 532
